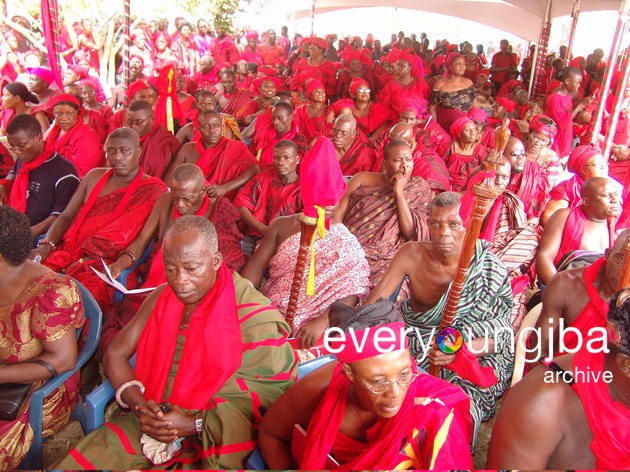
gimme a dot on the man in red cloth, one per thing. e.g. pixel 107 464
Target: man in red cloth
pixel 138 91
pixel 528 179
pixel 579 296
pixel 585 162
pixel 158 144
pixel 353 150
pixel 231 99
pixel 106 212
pixel 211 347
pixel 72 138
pixel 206 77
pixel 188 196
pixel 224 49
pixel 226 163
pixel 273 128
pixel 272 192
pixel 575 400
pixel 41 182
pixel 252 53
pixel 588 226
pixel 503 63
pixel 270 50
pixel 408 420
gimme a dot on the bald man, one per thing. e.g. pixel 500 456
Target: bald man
pixel 584 227
pixel 385 209
pixel 353 151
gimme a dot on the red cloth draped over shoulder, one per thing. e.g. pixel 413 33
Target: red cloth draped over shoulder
pixel 207 360
pixel 393 94
pixel 460 166
pixel 378 115
pixel 532 187
pixel 310 127
pixel 19 189
pixel 236 101
pixel 158 147
pixel 98 123
pixel 572 233
pixel 359 158
pixel 404 441
pixel 432 168
pixel 266 137
pixel 80 145
pixel 569 190
pixel 225 162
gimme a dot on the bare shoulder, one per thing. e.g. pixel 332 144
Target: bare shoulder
pixel 559 218
pixel 363 179
pixel 570 279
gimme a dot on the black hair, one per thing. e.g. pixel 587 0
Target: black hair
pixel 27 123
pixel 16 239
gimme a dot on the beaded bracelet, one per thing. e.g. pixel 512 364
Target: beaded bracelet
pixel 131 255
pixel 124 387
pixel 44 242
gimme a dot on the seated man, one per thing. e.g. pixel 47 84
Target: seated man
pixel 105 214
pixel 187 197
pixel 42 182
pixel 464 154
pixel 270 129
pixel 226 163
pixel 579 399
pixel 386 209
pixel 231 98
pixel 426 161
pixel 528 181
pixel 158 144
pixel 542 130
pixel 579 297
pixel 204 100
pixel 483 314
pixel 585 162
pixel 427 132
pixel 354 152
pixel 340 267
pixel 408 420
pixel 584 227
pixel 271 193
pixel 247 366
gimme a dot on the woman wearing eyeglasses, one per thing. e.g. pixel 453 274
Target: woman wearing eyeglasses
pixel 372 118
pixel 370 410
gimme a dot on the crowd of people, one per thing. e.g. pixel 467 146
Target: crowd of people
pixel 195 179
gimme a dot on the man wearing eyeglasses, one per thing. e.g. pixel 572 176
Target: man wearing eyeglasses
pixel 41 182
pixel 106 213
pixel 158 144
pixel 354 152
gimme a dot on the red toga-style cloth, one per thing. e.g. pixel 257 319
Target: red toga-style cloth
pixel 225 162
pixel 569 190
pixel 572 233
pixel 377 116
pixel 532 187
pixel 359 158
pixel 236 100
pixel 460 166
pixel 432 168
pixel 104 226
pixel 608 420
pixel 559 108
pixel 98 122
pixel 432 134
pixel 432 409
pixel 394 94
pixel 266 138
pixel 311 128
pixel 324 72
pixel 80 145
pixel 268 197
pixel 158 147
pixel 224 50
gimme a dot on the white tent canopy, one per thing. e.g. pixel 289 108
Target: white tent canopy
pixel 523 18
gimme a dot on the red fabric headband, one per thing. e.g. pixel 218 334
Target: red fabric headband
pixel 543 128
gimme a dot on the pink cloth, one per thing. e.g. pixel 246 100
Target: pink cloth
pixel 559 108
pixel 341 270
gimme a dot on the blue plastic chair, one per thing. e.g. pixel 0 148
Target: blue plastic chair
pixel 256 461
pixel 395 294
pixel 33 459
pixel 122 278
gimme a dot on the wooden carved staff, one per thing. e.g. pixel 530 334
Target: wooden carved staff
pixel 624 278
pixel 485 193
pixel 306 237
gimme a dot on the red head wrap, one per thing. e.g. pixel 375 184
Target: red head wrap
pixel 45 74
pixel 258 82
pixel 369 342
pixel 251 35
pixel 341 104
pixel 89 82
pixel 580 156
pixel 267 70
pixel 134 88
pixel 536 124
pixel 65 99
pixel 356 83
pixel 451 48
pixel 458 125
pixel 358 55
pixel 316 41
pixel 312 86
pixel 417 69
pixel 392 56
pixel 418 105
pixel 506 103
pixel 478 114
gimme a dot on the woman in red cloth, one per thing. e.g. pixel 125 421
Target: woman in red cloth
pixel 372 409
pixel 266 88
pixel 315 65
pixel 454 95
pixel 15 99
pixel 464 154
pixel 358 66
pixel 372 118
pixel 311 118
pixel 408 82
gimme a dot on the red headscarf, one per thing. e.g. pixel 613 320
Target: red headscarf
pixel 343 103
pixel 134 88
pixel 356 83
pixel 251 35
pixel 458 126
pixel 276 81
pixel 418 105
pixel 506 103
pixel 316 41
pixel 353 54
pixel 537 125
pixel 45 74
pixel 580 156
pixel 312 86
pixel 65 98
pixel 417 69
pixel 478 114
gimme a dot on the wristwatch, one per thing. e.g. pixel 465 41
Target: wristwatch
pixel 199 424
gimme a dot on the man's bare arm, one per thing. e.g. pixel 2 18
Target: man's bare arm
pixel 399 267
pixel 258 263
pixel 550 245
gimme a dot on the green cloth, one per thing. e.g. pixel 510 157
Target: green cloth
pixel 229 428
pixel 484 309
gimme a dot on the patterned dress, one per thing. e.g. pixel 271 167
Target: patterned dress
pixel 452 105
pixel 44 311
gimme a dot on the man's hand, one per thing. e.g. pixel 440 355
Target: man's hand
pixel 399 181
pixel 153 423
pixel 216 190
pixel 119 265
pixel 312 330
pixel 587 101
pixel 440 359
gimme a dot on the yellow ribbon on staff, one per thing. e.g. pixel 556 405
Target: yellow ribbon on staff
pixel 169 102
pixel 321 230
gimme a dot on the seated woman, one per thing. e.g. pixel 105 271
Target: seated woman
pixel 372 118
pixel 370 410
pixel 40 312
pixel 454 95
pixel 15 101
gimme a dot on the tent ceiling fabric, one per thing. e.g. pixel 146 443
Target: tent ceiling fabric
pixel 523 18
